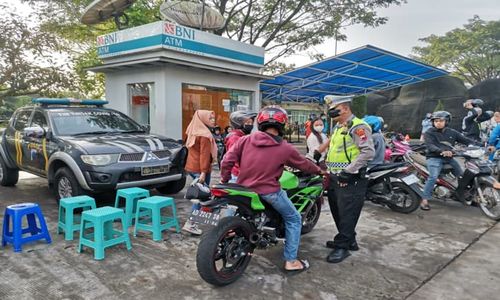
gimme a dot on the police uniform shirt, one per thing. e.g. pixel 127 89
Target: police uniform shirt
pixel 362 138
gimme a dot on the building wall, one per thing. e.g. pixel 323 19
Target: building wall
pixel 166 105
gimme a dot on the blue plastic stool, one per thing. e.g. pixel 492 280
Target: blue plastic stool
pixel 156 223
pixel 15 237
pixel 104 235
pixel 68 222
pixel 131 196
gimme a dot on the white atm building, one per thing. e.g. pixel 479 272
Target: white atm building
pixel 161 72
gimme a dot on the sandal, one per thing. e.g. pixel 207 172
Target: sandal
pixel 305 266
pixel 425 207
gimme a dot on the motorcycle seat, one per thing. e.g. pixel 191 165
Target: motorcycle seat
pixel 386 167
pixel 232 186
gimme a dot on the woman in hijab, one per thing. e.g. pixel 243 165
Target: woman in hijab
pixel 202 152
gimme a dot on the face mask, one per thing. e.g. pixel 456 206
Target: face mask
pixel 247 129
pixel 334 113
pixel 318 128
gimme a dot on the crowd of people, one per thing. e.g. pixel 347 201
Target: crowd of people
pixel 342 151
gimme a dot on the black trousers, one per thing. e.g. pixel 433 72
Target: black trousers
pixel 346 204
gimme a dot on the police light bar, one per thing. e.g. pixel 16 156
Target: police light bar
pixel 68 101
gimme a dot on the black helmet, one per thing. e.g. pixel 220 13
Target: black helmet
pixel 272 116
pixel 239 117
pixel 443 115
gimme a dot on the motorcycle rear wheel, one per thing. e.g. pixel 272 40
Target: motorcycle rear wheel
pixel 490 202
pixel 410 202
pixel 225 251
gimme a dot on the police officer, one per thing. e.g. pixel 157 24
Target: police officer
pixel 350 149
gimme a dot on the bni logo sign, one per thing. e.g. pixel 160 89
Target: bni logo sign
pixel 179 31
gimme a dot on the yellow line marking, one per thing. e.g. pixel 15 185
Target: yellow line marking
pixel 44 147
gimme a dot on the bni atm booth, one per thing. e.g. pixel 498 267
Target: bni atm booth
pixel 160 73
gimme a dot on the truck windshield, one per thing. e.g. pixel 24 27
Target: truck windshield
pixel 92 122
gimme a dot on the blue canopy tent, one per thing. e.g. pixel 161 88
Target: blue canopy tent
pixel 360 71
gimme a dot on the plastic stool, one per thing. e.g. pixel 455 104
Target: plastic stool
pixel 153 206
pixel 67 219
pixel 131 196
pixel 104 235
pixel 15 237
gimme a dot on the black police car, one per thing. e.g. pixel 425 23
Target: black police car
pixel 80 147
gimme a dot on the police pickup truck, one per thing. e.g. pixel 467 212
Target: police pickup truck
pixel 82 147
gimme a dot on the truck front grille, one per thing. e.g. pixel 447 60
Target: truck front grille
pixel 162 153
pixel 131 156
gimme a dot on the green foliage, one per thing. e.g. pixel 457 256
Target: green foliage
pixel 359 106
pixel 439 106
pixel 471 53
pixel 29 59
pixel 282 27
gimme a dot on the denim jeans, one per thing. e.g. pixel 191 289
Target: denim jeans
pixel 207 182
pixel 293 222
pixel 434 166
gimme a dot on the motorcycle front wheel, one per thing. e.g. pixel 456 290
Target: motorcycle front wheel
pixel 225 251
pixel 406 200
pixel 312 217
pixel 489 201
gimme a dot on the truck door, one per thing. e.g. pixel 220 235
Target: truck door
pixel 35 143
pixel 14 136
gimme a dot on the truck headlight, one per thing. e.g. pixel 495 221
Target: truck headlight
pixel 100 159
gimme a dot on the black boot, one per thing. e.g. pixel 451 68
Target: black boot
pixel 353 246
pixel 337 255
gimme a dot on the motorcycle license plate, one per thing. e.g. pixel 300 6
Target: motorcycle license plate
pixel 410 179
pixel 204 217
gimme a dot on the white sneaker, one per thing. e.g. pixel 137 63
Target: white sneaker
pixel 192 228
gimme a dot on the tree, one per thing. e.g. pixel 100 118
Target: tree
pixel 471 53
pixel 282 27
pixel 27 61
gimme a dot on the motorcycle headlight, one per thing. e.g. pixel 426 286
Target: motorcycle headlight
pixel 100 159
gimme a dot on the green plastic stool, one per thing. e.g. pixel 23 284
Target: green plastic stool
pixel 155 222
pixel 131 196
pixel 104 234
pixel 68 222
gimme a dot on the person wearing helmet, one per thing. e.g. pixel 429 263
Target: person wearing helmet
pixel 350 150
pixel 378 140
pixel 470 123
pixel 262 156
pixel 438 141
pixel 242 124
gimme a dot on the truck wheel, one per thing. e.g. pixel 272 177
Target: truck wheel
pixel 65 184
pixel 172 187
pixel 8 176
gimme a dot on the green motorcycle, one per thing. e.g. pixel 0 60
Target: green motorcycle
pixel 243 223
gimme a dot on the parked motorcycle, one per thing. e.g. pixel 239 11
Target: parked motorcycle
pixel 475 185
pixel 243 222
pixel 393 185
pixel 398 147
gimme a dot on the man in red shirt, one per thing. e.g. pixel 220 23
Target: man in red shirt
pixel 262 156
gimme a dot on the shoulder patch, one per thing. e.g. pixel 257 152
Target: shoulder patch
pixel 361 133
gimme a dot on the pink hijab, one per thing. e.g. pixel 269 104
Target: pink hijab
pixel 199 127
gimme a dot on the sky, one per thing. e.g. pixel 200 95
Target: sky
pixel 407 24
